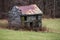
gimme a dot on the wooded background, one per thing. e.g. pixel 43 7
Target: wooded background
pixel 50 8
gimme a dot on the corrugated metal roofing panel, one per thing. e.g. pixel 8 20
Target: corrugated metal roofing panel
pixel 30 9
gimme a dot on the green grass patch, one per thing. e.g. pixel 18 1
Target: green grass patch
pixel 26 35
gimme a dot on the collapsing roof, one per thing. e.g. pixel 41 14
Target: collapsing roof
pixel 30 10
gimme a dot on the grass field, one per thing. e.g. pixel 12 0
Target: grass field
pixel 54 24
pixel 26 35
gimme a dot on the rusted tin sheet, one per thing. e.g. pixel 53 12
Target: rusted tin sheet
pixel 30 9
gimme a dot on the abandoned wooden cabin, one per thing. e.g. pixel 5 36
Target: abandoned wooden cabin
pixel 30 16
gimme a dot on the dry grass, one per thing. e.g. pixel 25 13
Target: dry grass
pixel 3 23
pixel 52 25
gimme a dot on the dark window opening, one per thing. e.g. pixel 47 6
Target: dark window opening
pixel 25 18
pixel 36 17
pixel 31 23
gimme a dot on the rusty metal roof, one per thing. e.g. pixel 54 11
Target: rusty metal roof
pixel 30 9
